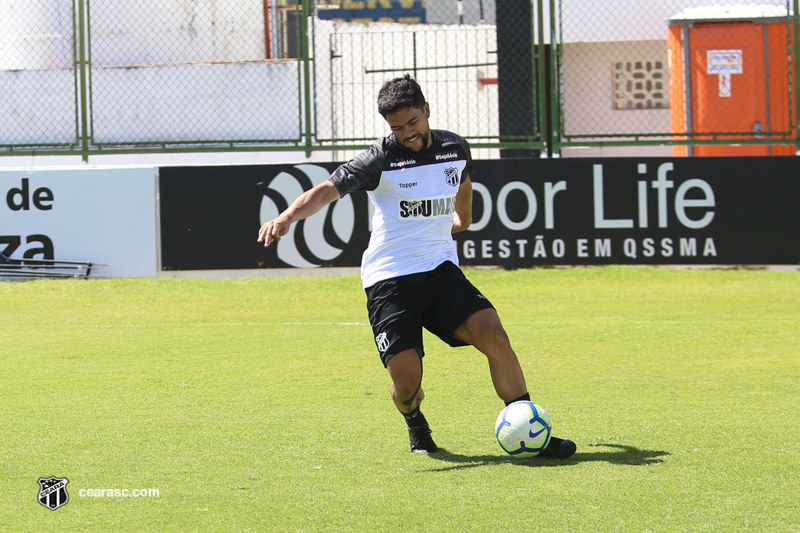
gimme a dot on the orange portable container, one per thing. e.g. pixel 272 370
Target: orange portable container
pixel 729 74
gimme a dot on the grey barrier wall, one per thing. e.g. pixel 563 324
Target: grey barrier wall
pixel 527 212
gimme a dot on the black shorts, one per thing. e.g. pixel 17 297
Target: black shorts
pixel 439 301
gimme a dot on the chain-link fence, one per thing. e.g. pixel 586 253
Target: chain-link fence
pixel 686 71
pixel 527 77
pixel 38 95
pixel 183 72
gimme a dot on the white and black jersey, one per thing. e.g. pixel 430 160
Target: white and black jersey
pixel 414 196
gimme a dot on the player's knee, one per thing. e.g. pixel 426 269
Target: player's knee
pixel 405 387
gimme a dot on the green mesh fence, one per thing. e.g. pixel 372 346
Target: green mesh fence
pixel 677 70
pixel 526 78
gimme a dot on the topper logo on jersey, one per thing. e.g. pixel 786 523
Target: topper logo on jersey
pixel 311 234
pixel 451 176
pixel 427 207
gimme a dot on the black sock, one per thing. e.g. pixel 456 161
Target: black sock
pixel 415 419
pixel 524 398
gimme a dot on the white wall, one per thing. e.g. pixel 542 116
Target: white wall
pixel 177 31
pixel 37 106
pixel 369 54
pixel 627 20
pixel 236 101
pixel 588 88
pixel 35 34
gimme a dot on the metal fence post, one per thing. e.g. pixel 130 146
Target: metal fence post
pixel 543 91
pixel 82 79
pixel 555 82
pixel 305 53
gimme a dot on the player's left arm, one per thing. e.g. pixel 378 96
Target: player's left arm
pixel 463 215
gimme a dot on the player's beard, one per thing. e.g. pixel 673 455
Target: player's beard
pixel 424 138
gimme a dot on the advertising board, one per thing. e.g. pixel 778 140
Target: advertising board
pixel 106 216
pixel 526 212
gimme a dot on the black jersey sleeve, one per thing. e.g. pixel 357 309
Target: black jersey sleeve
pixel 468 168
pixel 362 173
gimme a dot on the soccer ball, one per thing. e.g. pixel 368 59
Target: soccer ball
pixel 523 429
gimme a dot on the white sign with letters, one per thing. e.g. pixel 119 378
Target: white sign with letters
pixel 724 63
pixel 106 216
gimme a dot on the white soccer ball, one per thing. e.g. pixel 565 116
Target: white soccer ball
pixel 523 429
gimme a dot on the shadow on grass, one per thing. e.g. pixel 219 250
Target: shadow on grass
pixel 619 454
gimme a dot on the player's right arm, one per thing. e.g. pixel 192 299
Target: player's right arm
pixel 303 207
pixel 360 173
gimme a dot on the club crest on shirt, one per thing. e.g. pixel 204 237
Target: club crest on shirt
pixel 451 176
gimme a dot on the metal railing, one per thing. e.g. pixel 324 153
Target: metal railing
pixel 87 77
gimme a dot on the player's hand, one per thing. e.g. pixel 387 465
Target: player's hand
pixel 273 231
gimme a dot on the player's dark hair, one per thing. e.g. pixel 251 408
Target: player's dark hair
pixel 398 94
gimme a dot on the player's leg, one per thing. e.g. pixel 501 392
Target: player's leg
pixel 405 369
pixel 395 308
pixel 484 331
pixel 460 315
pixel 465 316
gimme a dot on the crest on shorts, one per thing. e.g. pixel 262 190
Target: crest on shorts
pixel 53 492
pixel 382 341
pixel 451 176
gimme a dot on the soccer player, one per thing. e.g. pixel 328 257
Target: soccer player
pixel 418 180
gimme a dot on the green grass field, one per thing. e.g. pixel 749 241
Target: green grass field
pixel 261 405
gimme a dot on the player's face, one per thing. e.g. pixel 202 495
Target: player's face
pixel 410 126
